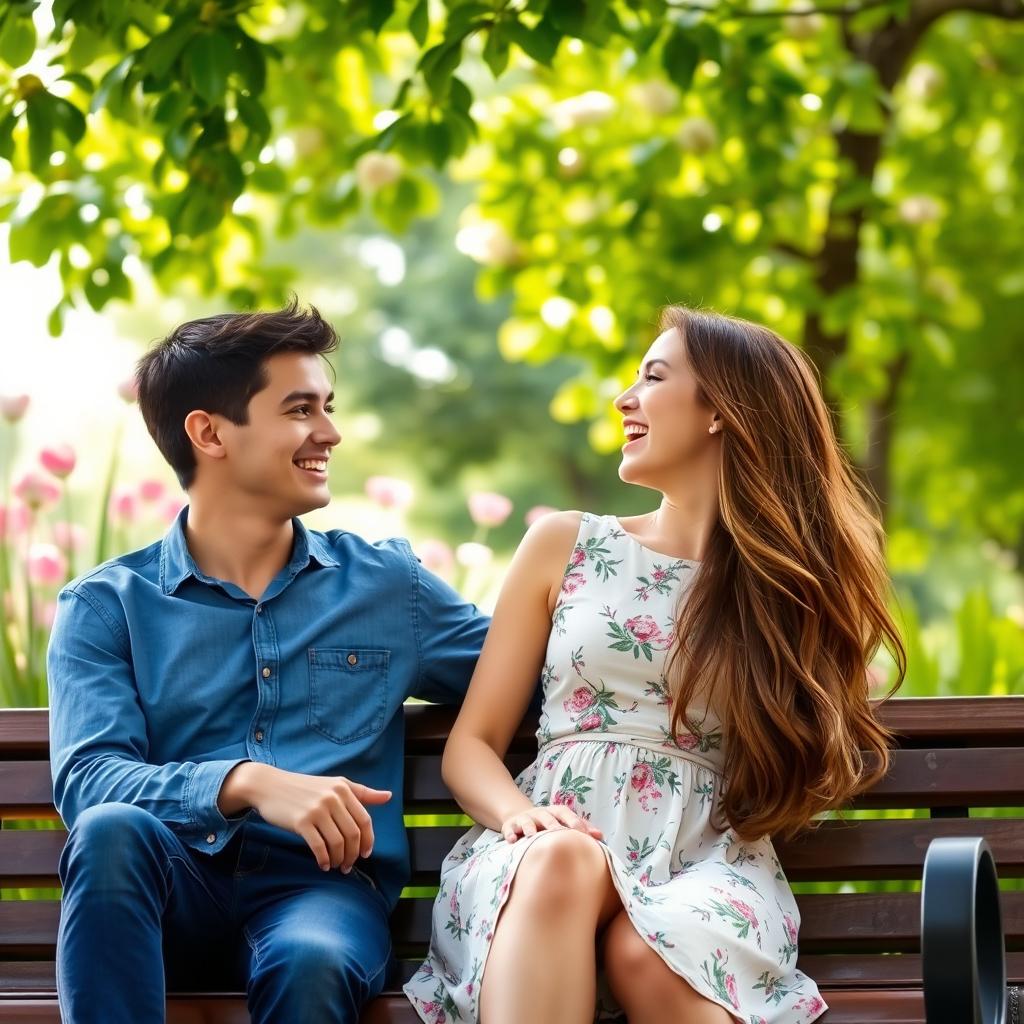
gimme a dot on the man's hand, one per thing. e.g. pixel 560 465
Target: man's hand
pixel 327 812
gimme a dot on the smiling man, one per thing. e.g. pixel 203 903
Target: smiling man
pixel 225 705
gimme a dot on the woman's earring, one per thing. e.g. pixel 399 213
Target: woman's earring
pixel 712 429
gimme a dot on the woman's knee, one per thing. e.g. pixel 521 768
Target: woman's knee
pixel 562 870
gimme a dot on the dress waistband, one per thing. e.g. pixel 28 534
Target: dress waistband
pixel 635 741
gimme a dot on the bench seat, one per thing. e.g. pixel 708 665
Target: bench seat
pixel 958 770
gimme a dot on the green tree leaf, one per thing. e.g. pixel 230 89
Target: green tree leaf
pixel 419 22
pixel 679 57
pixel 17 40
pixel 539 43
pixel 496 49
pixel 7 126
pixel 211 58
pixel 162 52
pixel 380 11
pixel 40 118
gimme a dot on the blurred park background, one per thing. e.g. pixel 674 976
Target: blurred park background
pixel 491 202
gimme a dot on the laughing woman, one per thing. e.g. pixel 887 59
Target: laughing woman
pixel 705 671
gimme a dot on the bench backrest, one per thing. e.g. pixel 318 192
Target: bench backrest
pixel 958 770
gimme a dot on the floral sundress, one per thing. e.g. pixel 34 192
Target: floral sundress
pixel 716 909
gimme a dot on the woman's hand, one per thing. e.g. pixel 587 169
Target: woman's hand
pixel 538 819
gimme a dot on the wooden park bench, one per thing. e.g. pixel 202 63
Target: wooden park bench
pixel 955 756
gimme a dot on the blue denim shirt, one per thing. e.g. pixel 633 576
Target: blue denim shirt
pixel 162 679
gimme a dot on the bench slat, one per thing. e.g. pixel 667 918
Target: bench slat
pixel 26 790
pixel 856 850
pixel 845 1007
pixel 943 721
pixel 849 922
pixel 846 971
pixel 979 776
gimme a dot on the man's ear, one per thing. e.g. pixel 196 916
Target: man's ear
pixel 202 432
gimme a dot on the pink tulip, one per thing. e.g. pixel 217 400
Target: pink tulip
pixel 128 389
pixel 124 505
pixel 14 519
pixel 46 564
pixel 389 491
pixel 36 490
pixel 489 509
pixel 473 555
pixel 171 508
pixel 59 460
pixel 70 535
pixel 13 407
pixel 152 490
pixel 536 512
pixel 435 555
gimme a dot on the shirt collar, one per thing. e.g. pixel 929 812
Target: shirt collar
pixel 177 564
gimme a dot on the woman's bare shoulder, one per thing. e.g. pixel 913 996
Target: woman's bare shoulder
pixel 547 546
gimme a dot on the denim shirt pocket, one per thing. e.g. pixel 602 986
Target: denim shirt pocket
pixel 348 691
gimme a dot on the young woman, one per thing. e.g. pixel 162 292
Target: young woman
pixel 705 672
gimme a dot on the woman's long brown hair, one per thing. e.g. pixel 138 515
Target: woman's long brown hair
pixel 789 606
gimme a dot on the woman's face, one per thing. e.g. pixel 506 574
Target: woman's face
pixel 665 423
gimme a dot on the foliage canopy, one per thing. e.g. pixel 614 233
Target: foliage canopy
pixel 848 174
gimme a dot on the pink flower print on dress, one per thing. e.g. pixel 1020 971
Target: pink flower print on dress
pixel 744 909
pixel 730 987
pixel 572 582
pixel 641 779
pixel 582 699
pixel 686 741
pixel 644 628
pixel 788 948
pixel 434 1011
pixel 590 722
pixel 586 701
pixel 565 800
pixel 577 558
pixel 812 1006
pixel 638 635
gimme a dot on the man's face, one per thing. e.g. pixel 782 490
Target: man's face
pixel 289 423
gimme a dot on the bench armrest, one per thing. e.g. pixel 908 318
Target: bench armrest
pixel 963 953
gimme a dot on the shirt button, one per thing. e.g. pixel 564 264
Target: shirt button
pixel 266 671
pixel 259 609
pixel 258 735
pixel 211 838
pixel 352 659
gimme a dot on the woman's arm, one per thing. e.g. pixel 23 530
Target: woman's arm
pixel 506 674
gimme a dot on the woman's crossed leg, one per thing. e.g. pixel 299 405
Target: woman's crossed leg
pixel 542 965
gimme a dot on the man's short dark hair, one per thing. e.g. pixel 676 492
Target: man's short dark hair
pixel 217 364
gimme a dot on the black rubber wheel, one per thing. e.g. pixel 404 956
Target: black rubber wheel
pixel 962 948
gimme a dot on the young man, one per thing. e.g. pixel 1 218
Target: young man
pixel 226 705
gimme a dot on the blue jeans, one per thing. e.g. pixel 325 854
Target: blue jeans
pixel 141 907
